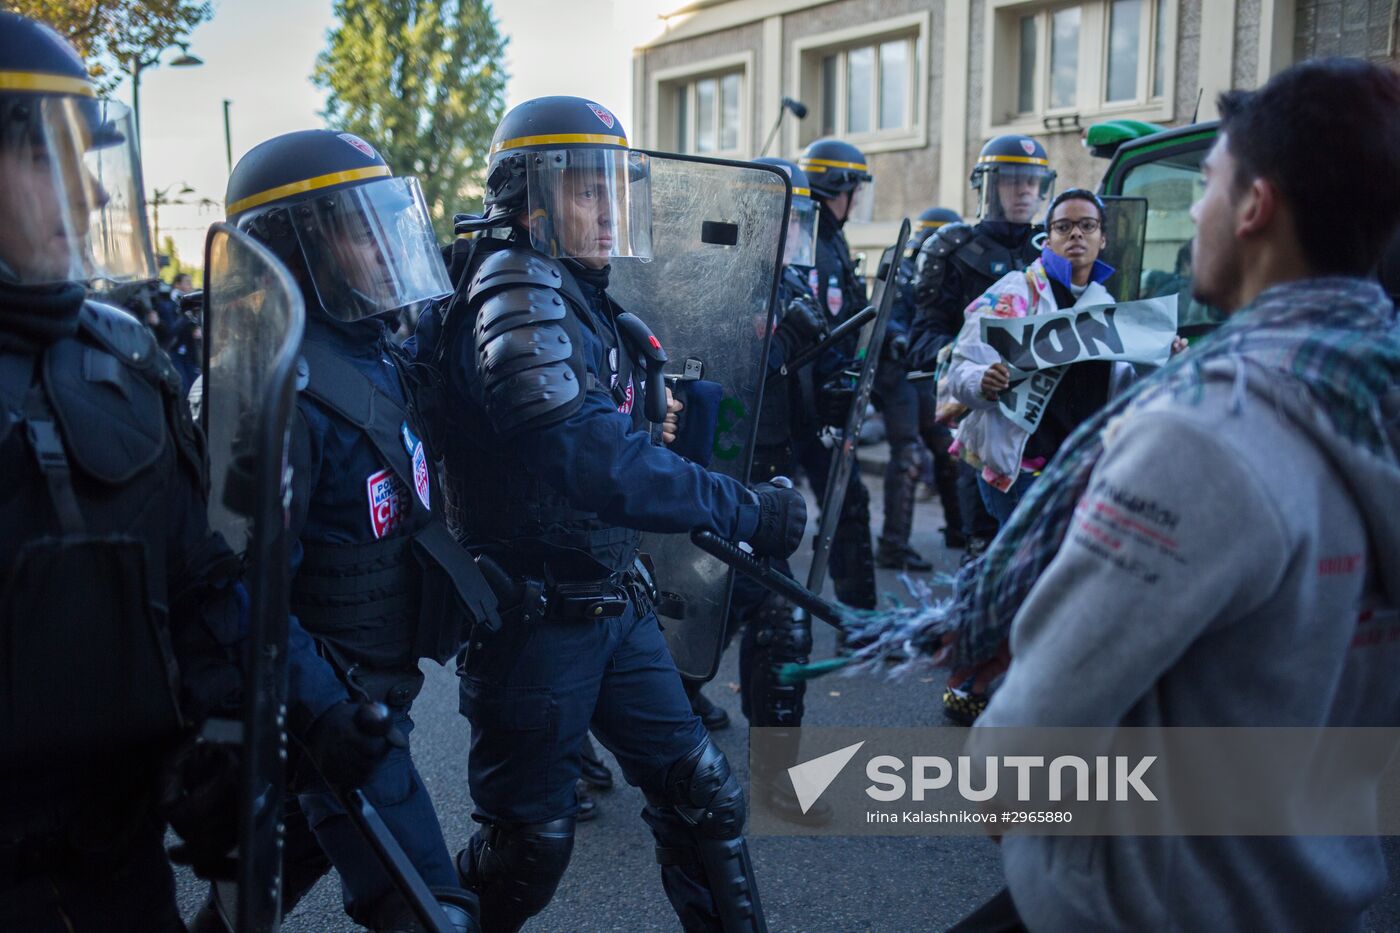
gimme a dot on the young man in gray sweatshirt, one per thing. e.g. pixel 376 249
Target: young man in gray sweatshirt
pixel 1231 555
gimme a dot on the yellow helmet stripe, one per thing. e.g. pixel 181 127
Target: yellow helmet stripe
pixel 824 164
pixel 931 224
pixel 1020 160
pixel 309 184
pixel 802 192
pixel 556 139
pixel 45 84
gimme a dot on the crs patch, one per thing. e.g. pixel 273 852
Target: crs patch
pixel 1028 147
pixel 422 482
pixel 607 119
pixel 628 396
pixel 814 282
pixel 386 502
pixel 356 142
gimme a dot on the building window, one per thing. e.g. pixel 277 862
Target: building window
pixel 708 114
pixel 868 90
pixel 1087 59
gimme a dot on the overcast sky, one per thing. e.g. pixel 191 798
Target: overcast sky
pixel 259 54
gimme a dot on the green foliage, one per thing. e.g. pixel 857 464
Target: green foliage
pixel 112 34
pixel 424 81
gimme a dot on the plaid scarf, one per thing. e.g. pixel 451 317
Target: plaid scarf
pixel 1337 338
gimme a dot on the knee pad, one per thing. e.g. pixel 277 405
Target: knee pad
pixel 855 510
pixel 515 868
pixel 908 458
pixel 783 635
pixel 704 791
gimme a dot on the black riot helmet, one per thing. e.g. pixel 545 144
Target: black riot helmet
pixel 71 208
pixel 835 167
pixel 801 242
pixel 928 223
pixel 1019 166
pixel 328 206
pixel 565 164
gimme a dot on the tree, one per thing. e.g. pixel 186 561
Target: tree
pixel 111 34
pixel 423 80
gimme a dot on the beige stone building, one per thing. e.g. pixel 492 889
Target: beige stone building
pixel 920 84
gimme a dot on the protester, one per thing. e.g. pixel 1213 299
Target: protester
pixel 1263 596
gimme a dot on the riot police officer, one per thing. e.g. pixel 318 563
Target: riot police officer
pixel 771 634
pixel 958 263
pixel 906 458
pixel 550 476
pixel 377 580
pixel 842 187
pixel 113 584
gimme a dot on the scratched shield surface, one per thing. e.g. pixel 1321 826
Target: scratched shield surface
pixel 717 242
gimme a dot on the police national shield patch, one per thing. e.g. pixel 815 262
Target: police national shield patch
pixel 422 483
pixel 1028 147
pixel 386 502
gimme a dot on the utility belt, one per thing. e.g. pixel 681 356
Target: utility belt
pixel 540 596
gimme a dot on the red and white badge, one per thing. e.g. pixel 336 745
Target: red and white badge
pixel 1028 147
pixel 628 397
pixel 814 282
pixel 834 299
pixel 352 140
pixel 386 502
pixel 608 120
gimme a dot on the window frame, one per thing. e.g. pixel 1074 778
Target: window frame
pixel 806 56
pixel 1001 86
pixel 662 115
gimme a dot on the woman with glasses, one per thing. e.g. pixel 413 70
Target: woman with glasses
pixel 1067 274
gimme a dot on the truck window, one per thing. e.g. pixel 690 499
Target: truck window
pixel 1171 185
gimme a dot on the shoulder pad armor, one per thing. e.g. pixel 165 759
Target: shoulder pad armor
pixel 529 352
pixel 516 266
pixel 947 239
pixel 125 337
pixel 106 392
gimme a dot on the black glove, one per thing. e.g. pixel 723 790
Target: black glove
pixel 834 400
pixel 199 799
pixel 346 745
pixel 800 326
pixel 896 348
pixel 782 518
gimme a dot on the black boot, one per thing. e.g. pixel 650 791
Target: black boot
pixel 901 557
pixel 714 717
pixel 587 806
pixel 775 792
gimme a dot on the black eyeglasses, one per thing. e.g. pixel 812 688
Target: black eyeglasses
pixel 1086 224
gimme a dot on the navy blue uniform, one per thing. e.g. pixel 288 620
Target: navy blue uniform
pixel 118 610
pixel 842 293
pixel 558 505
pixel 347 505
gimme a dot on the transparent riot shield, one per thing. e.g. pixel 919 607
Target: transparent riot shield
pixel 1125 228
pixel 718 230
pixel 843 460
pixel 253 320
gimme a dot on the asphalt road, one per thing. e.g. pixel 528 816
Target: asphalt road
pixel 811 884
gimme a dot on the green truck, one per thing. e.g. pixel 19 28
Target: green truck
pixel 1153 178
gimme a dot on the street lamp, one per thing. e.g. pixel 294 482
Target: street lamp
pixel 183 60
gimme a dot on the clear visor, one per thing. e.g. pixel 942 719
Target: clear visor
pixel 371 249
pixel 1015 193
pixel 862 203
pixel 800 248
pixel 70 206
pixel 589 204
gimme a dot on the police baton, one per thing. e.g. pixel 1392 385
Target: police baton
pixel 755 569
pixel 373 719
pixel 838 333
